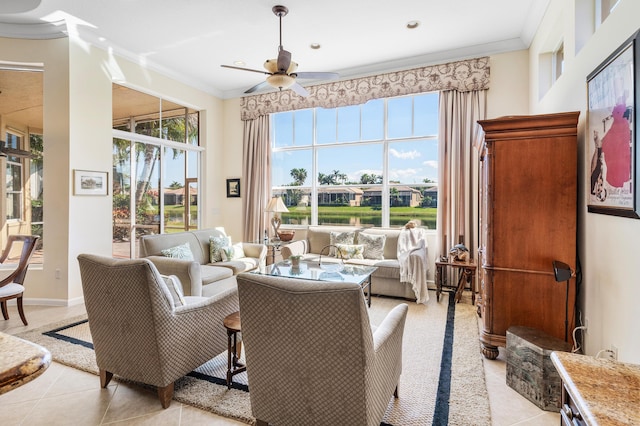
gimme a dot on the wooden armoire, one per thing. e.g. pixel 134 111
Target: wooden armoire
pixel 528 209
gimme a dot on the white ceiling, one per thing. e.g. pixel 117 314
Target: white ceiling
pixel 190 39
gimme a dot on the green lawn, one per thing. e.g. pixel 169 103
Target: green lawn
pixel 345 215
pixel 340 215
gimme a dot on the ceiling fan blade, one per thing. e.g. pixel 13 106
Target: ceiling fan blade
pixel 284 60
pixel 244 69
pixel 299 90
pixel 256 87
pixel 319 75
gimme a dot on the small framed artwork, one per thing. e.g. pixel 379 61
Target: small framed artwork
pixel 86 182
pixel 233 188
pixel 612 93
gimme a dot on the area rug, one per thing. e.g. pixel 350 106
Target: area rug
pixel 442 380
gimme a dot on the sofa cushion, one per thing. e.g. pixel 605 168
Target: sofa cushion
pixel 232 252
pixel 373 245
pixel 182 251
pixel 242 264
pixel 319 237
pixel 391 240
pixel 388 268
pixel 216 244
pixel 349 251
pixel 211 273
pixel 342 238
pixel 152 245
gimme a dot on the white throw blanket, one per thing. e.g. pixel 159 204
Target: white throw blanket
pixel 412 256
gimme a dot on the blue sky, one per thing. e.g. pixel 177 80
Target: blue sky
pixel 362 126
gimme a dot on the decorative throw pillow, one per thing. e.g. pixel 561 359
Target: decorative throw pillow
pixel 373 245
pixel 340 238
pixel 178 252
pixel 232 252
pixel 350 251
pixel 175 288
pixel 215 244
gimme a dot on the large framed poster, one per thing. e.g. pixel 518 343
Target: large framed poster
pixel 611 134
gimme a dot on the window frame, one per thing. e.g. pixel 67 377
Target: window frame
pixel 386 142
pixel 19 163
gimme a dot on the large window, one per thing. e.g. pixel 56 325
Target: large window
pixel 22 142
pixel 155 168
pixel 373 164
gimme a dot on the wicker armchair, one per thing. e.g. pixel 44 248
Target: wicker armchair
pixel 142 330
pixel 311 355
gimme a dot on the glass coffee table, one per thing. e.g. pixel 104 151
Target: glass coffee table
pixel 331 272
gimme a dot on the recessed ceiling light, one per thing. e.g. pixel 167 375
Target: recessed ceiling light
pixel 413 24
pixel 315 46
pixel 239 63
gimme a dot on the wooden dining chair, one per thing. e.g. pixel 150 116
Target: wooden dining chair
pixel 12 287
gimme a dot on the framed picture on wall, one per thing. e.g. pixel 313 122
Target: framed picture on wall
pixel 233 188
pixel 86 182
pixel 612 93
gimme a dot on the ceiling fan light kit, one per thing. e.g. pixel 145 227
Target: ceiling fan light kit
pixel 281 72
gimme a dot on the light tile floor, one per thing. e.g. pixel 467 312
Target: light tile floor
pixel 66 396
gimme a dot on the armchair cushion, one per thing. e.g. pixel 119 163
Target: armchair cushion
pixel 175 288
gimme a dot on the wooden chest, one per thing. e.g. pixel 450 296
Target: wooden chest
pixel 530 370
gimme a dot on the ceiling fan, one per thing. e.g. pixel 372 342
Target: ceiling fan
pixel 281 72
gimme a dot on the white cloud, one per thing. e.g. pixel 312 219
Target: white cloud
pixel 410 155
pixel 404 175
pixel 431 163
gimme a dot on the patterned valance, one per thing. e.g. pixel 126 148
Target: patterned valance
pixel 463 76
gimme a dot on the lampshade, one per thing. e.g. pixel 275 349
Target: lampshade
pixel 276 206
pixel 561 270
pixel 281 81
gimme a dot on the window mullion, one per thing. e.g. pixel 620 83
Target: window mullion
pixel 314 172
pixel 384 200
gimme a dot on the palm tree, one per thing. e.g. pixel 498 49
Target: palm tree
pixel 394 196
pixel 299 176
pixel 369 179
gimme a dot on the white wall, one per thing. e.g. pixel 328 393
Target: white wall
pixel 232 214
pixel 606 244
pixel 508 93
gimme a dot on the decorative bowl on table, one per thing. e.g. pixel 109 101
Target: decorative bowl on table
pixel 286 235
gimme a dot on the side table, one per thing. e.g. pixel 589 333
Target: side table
pixel 273 247
pixel 232 324
pixel 467 274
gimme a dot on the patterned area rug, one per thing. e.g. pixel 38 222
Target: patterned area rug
pixel 442 380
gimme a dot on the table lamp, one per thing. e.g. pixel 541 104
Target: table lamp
pixel 276 206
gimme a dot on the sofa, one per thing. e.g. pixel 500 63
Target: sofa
pixel 188 255
pixel 385 280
